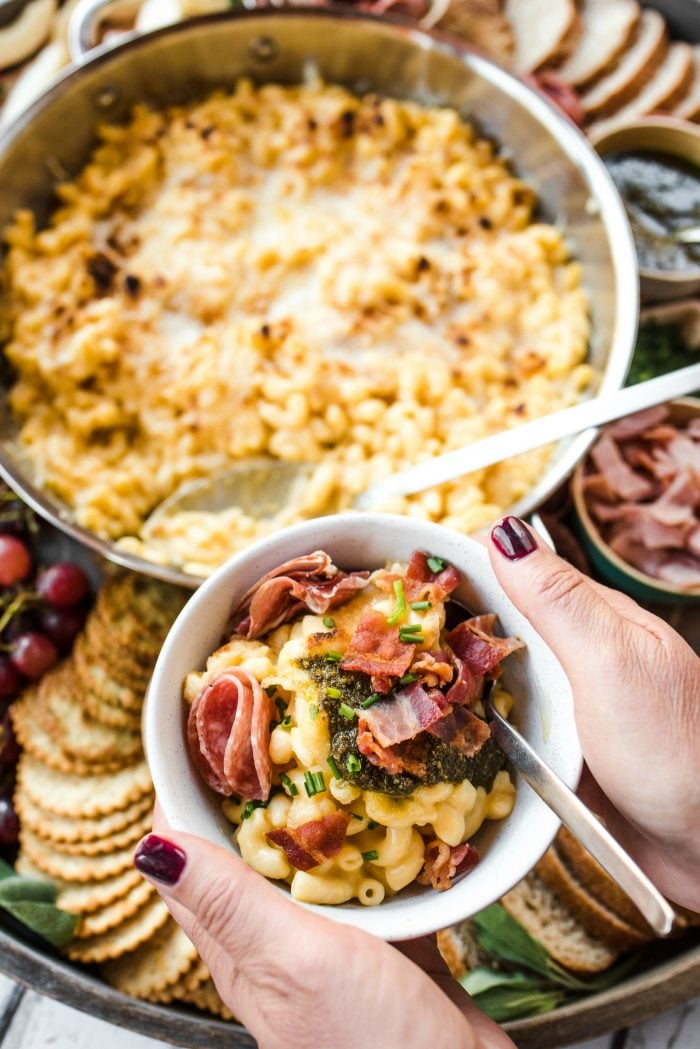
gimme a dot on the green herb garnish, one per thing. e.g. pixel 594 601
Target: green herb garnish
pixel 408 679
pixel 370 701
pixel 33 903
pixel 400 606
pixel 353 764
pixel 347 711
pixel 436 564
pixel 371 855
pixel 332 657
pixel 309 784
pixel 319 782
pixel 289 787
pixel 250 807
pixel 420 606
pixel 329 621
pixel 332 692
pixel 333 766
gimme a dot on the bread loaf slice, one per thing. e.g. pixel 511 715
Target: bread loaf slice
pixel 460 949
pixel 668 86
pixel 483 24
pixel 545 32
pixel 598 919
pixel 546 918
pixel 589 873
pixel 607 29
pixel 689 107
pixel 634 70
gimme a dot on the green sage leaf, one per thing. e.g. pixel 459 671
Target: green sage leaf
pixel 45 919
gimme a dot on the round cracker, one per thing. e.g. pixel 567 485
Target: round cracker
pixel 189 981
pixel 82 796
pixel 87 897
pixel 115 913
pixel 207 997
pixel 74 868
pixel 64 828
pixel 140 928
pixel 95 678
pixel 44 746
pixel 101 846
pixel 123 665
pixel 108 714
pixel 155 965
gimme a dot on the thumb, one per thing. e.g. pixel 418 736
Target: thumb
pixel 566 609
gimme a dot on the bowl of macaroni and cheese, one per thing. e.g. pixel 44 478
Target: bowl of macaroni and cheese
pixel 318 708
pixel 300 235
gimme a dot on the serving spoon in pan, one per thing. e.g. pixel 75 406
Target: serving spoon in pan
pixel 261 488
pixel 580 821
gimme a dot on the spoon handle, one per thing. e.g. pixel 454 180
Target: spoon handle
pixel 535 434
pixel 583 824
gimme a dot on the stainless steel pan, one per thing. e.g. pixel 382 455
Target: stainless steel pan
pixel 52 140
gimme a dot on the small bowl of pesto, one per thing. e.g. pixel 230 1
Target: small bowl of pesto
pixel 655 165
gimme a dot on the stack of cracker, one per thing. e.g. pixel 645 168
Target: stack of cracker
pixel 85 797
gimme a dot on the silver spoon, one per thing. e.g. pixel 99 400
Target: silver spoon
pixel 580 821
pixel 691 235
pixel 263 487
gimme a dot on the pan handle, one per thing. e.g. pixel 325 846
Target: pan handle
pixel 84 21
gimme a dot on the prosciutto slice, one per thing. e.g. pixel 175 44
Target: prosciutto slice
pixel 312 582
pixel 228 732
pixel 313 842
pixel 474 642
pixel 403 757
pixel 375 649
pixel 462 730
pixel 405 714
pixel 444 862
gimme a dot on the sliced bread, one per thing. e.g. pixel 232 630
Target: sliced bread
pixel 633 71
pixel 541 913
pixel 607 28
pixel 545 31
pixel 483 24
pixel 598 882
pixel 598 919
pixel 668 86
pixel 460 950
pixel 689 108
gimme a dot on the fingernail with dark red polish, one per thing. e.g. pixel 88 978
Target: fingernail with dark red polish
pixel 160 859
pixel 513 539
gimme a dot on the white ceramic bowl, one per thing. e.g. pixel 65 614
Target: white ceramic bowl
pixel 543 711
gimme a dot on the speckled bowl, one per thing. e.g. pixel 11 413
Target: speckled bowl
pixel 609 565
pixel 543 712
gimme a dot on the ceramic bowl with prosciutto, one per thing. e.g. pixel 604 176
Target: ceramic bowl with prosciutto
pixel 318 708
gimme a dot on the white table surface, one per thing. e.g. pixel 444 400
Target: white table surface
pixel 28 1021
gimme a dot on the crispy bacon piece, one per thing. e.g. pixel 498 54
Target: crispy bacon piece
pixel 433 668
pixel 228 732
pixel 420 571
pixel 474 642
pixel 405 714
pixel 313 842
pixel 443 862
pixel 312 582
pixel 403 757
pixel 462 730
pixel 375 649
pixel 467 687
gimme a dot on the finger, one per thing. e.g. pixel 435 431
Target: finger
pixel 569 613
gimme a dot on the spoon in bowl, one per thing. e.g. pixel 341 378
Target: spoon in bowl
pixel 261 488
pixel 580 821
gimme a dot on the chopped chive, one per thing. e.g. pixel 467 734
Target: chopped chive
pixel 353 764
pixel 281 706
pixel 249 808
pixel 371 855
pixel 313 711
pixel 372 825
pixel 332 692
pixel 408 679
pixel 370 701
pixel 411 639
pixel 271 689
pixel 410 628
pixel 436 564
pixel 347 711
pixel 332 657
pixel 329 621
pixel 333 766
pixel 286 722
pixel 356 816
pixel 400 606
pixel 290 787
pixel 419 606
pixel 319 782
pixel 309 784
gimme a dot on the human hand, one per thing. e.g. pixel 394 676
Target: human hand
pixel 636 686
pixel 296 979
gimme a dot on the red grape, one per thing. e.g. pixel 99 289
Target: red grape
pixel 9 678
pixel 63 585
pixel 15 560
pixel 33 653
pixel 62 625
pixel 9 824
pixel 9 747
